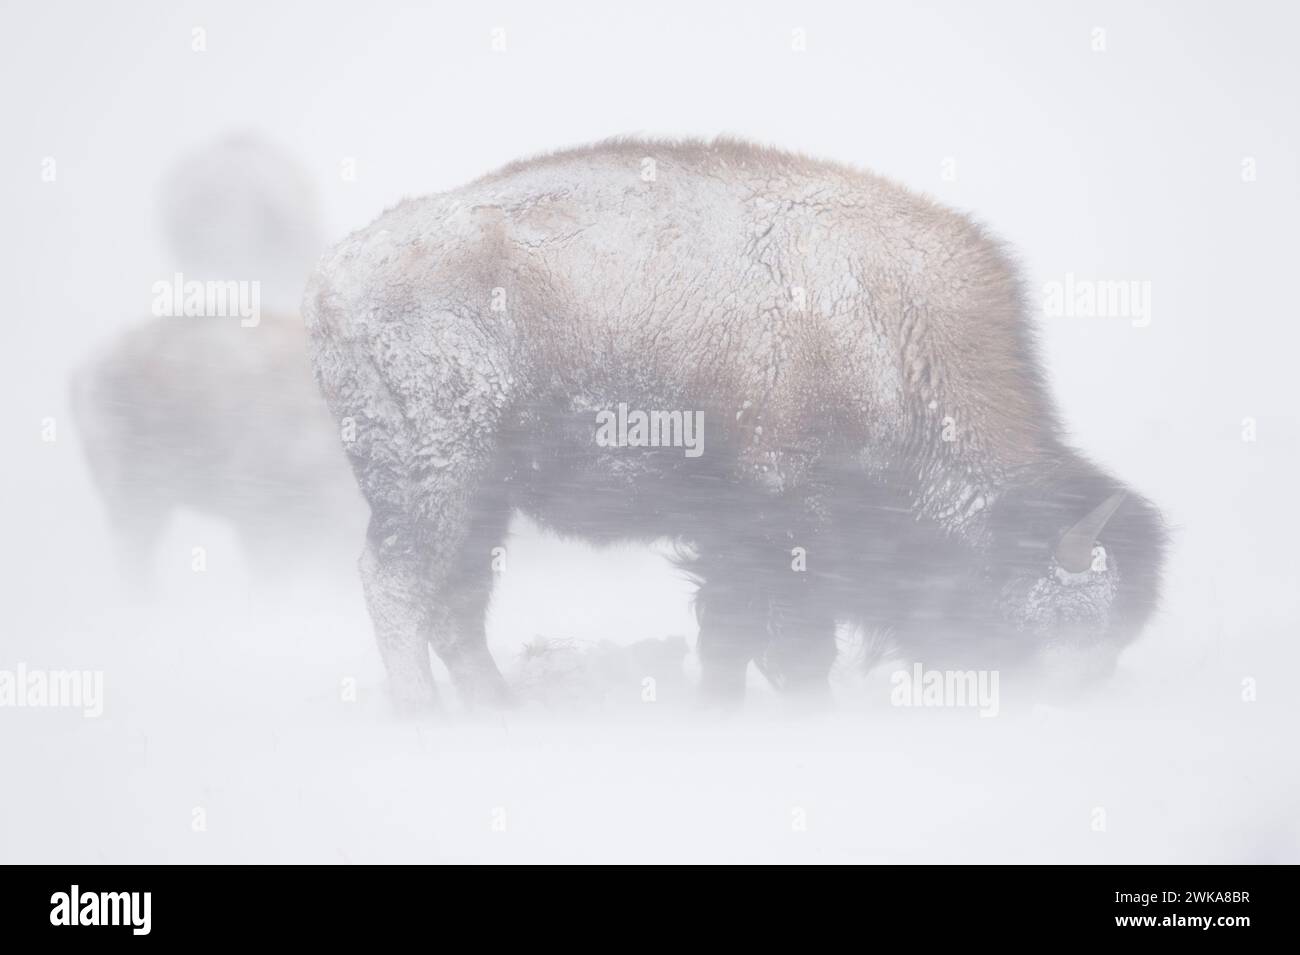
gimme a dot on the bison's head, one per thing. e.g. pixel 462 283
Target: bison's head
pixel 1075 579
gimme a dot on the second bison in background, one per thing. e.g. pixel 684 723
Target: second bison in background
pixel 219 413
pixel 878 445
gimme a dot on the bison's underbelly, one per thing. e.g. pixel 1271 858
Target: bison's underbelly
pixel 596 475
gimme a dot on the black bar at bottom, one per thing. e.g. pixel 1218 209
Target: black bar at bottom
pixel 332 905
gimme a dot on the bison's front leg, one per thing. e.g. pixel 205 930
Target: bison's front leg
pixel 755 609
pixel 800 648
pixel 753 606
pixel 733 626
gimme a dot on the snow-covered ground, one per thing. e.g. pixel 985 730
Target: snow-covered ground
pixel 218 703
pixel 245 720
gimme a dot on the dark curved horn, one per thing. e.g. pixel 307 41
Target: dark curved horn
pixel 1074 553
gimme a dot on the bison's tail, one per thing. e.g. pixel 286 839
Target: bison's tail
pixel 321 311
pixel 331 343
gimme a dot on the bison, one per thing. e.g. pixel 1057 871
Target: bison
pixel 876 442
pixel 219 413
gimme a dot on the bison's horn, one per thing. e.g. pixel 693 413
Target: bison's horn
pixel 1074 553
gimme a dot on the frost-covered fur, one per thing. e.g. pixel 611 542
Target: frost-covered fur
pixel 860 356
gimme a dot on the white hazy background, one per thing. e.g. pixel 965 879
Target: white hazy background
pixel 1124 164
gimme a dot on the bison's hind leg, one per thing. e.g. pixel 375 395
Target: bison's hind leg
pixel 138 512
pixel 425 421
pixel 429 587
pixel 395 579
pixel 459 634
pixel 136 526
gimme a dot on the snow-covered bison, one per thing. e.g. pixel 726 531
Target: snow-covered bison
pixel 825 384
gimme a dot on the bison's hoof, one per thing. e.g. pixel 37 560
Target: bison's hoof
pixel 414 697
